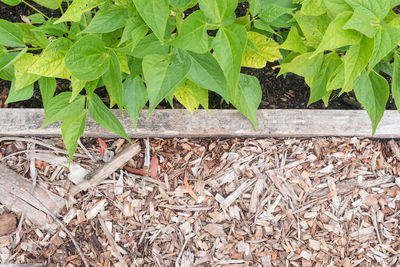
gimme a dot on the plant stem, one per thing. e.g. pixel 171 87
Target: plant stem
pixel 34 8
pixel 62 11
pixel 29 49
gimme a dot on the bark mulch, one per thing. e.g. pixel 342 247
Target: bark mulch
pixel 236 202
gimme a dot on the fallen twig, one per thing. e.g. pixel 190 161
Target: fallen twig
pixel 112 243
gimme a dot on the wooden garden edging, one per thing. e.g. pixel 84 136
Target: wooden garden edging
pixel 221 123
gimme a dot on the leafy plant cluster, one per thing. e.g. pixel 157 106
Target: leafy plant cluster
pixel 147 51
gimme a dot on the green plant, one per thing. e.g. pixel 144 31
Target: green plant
pixel 142 51
pixel 347 45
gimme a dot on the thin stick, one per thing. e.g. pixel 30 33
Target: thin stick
pixel 111 241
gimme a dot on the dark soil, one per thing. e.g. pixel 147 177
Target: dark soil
pixel 278 93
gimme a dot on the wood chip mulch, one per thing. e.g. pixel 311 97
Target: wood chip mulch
pixel 232 202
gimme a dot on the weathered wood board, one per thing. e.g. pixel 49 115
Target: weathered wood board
pixel 219 123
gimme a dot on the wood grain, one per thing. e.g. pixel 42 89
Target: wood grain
pixel 8 223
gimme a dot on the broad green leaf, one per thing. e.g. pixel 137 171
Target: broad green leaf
pixel 10 34
pixel 336 81
pixel 206 73
pixel 52 4
pixel 248 97
pixel 7 73
pixel 7 59
pixel 313 27
pixel 108 19
pixel 303 65
pixel 313 7
pixel 372 91
pixel 72 129
pixel 318 82
pixel 266 50
pixel 386 39
pixel 51 62
pixel 193 34
pixel 59 108
pixel 191 96
pixel 264 26
pixel 87 59
pixel 123 63
pixel 77 8
pixel 255 7
pixel 113 80
pixel 31 37
pixel 102 115
pixel 155 13
pixel 19 95
pixel 367 15
pixel 180 3
pixel 396 81
pixel 218 10
pixel 50 28
pixel 336 37
pixel 336 7
pixel 91 86
pixel 162 74
pixel 135 98
pixel 77 86
pixel 47 88
pixel 293 42
pixel 149 45
pixel 355 60
pixel 229 46
pixel 36 18
pixel 11 2
pixel 134 31
pixel 272 11
pixel 21 67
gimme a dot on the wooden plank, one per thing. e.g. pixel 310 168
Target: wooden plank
pixel 220 123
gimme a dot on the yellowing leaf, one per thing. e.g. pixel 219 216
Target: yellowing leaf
pixel 123 63
pixel 191 96
pixel 259 50
pixel 21 67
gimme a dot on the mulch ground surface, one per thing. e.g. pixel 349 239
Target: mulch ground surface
pixel 191 202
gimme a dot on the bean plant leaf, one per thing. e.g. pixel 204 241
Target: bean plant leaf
pixel 134 31
pixel 180 3
pixel 337 7
pixel 303 65
pixel 372 91
pixel 191 96
pixel 218 10
pixel 72 129
pixel 77 86
pixel 313 27
pixel 50 28
pixel 271 12
pixel 52 4
pixel 21 67
pixel 163 73
pixel 294 42
pixel 248 97
pixel 155 13
pixel 113 80
pixel 10 34
pixel 19 95
pixel 51 62
pixel 149 45
pixel 7 59
pixel 87 58
pixel 102 115
pixel 109 18
pixel 396 81
pixel 76 9
pixel 367 15
pixel 313 7
pixel 135 98
pixel 47 88
pixel 59 108
pixel 206 73
pixel 37 39
pixel 11 2
pixel 229 46
pixel 266 49
pixel 336 81
pixel 193 33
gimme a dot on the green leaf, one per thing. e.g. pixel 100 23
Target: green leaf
pixel 162 74
pixel 7 59
pixel 72 129
pixel 266 49
pixel 273 11
pixel 248 97
pixel 10 34
pixel 313 27
pixel 38 39
pixel 77 86
pixel 355 60
pixel 372 91
pixel 318 82
pixel 149 45
pixel 77 8
pixel 180 3
pixel 303 65
pixel 21 67
pixel 51 62
pixel 135 98
pixel 52 4
pixel 113 80
pixel 11 2
pixel 386 39
pixel 155 13
pixel 191 96
pixel 336 81
pixel 313 7
pixel 87 59
pixel 36 18
pixel 193 34
pixel 7 73
pixel 336 7
pixel 19 95
pixel 59 108
pixel 206 73
pixel 47 88
pixel 108 19
pixel 50 28
pixel 134 31
pixel 396 81
pixel 367 15
pixel 293 42
pixel 218 10
pixel 102 115
pixel 336 37
pixel 229 46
